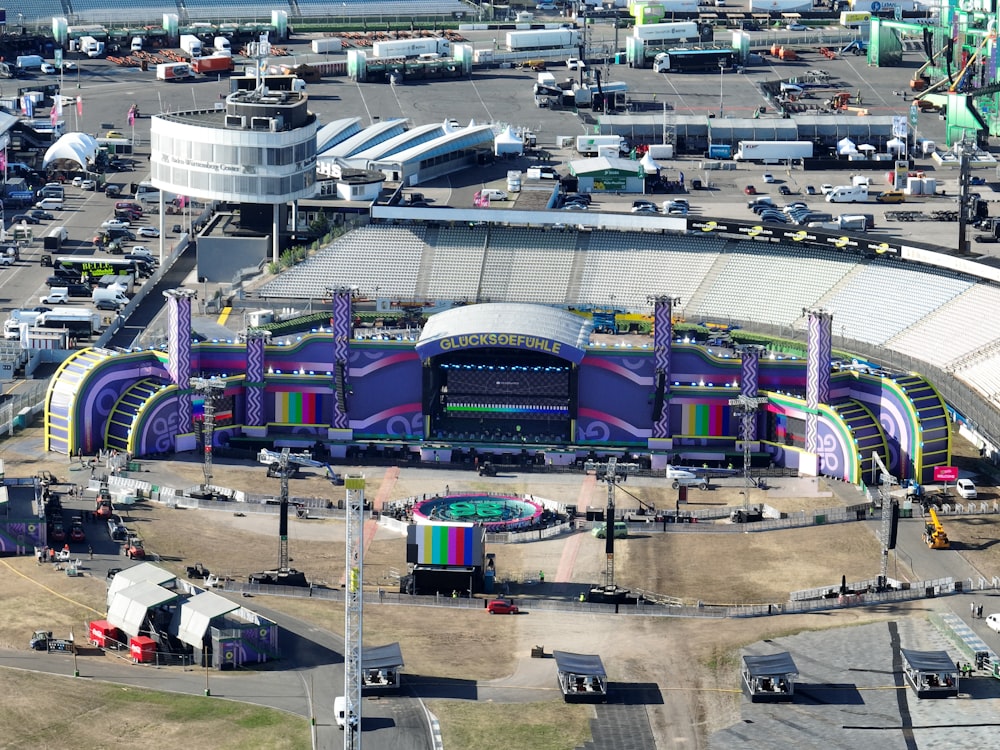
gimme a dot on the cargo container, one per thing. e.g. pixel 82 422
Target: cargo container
pixel 82 322
pixel 327 44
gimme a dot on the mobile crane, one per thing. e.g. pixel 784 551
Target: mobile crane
pixel 934 533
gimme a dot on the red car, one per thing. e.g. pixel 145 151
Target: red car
pixel 76 534
pixel 750 190
pixel 501 607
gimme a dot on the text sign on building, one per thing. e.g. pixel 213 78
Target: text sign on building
pixel 945 473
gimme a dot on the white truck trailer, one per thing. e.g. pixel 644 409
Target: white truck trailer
pixel 411 47
pixel 773 152
pixel 542 39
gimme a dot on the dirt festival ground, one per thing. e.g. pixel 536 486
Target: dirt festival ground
pixel 693 662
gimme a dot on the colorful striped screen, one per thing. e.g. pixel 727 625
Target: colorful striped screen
pixel 297 408
pixel 707 420
pixel 446 545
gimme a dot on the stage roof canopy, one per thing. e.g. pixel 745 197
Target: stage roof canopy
pixel 582 664
pixel 382 657
pixel 533 328
pixel 770 665
pixel 928 661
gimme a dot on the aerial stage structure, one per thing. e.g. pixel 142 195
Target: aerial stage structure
pixel 503 381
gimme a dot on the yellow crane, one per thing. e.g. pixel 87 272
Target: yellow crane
pixel 934 533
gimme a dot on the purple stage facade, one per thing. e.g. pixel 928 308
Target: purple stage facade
pixel 501 380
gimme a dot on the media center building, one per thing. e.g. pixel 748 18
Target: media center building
pixel 258 152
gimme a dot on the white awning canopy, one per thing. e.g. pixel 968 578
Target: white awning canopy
pixel 192 619
pixel 128 609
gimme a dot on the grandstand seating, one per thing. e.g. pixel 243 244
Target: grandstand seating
pixel 936 338
pixel 917 310
pixel 883 297
pixel 207 10
pixel 33 11
pixel 984 376
pixel 458 262
pixel 378 8
pixel 628 267
pixel 122 11
pixel 740 290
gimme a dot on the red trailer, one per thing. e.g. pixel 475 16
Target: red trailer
pixel 104 634
pixel 142 649
pixel 212 64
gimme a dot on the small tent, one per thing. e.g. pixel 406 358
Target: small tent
pixel 508 143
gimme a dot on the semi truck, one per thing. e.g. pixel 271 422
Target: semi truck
pixel 773 152
pixel 91 47
pixel 173 71
pixel 81 321
pixel 667 33
pixel 327 44
pixel 212 64
pixel 589 145
pixel 222 46
pixel 191 44
pixel 542 39
pixel 411 47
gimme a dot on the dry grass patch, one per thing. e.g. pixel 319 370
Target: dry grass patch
pixel 552 725
pixel 45 711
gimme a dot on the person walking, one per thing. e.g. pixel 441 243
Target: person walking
pixel 90 551
pixel 972 606
pixel 979 612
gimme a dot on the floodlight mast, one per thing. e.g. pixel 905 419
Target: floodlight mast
pixel 611 472
pixel 207 387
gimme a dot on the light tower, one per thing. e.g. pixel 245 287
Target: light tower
pixel 353 609
pixel 611 472
pixel 746 405
pixel 207 388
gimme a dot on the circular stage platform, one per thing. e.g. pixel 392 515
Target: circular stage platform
pixel 495 512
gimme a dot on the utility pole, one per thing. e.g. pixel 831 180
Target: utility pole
pixel 353 609
pixel 207 388
pixel 885 481
pixel 611 472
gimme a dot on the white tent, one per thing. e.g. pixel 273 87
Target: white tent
pixel 75 147
pixel 846 146
pixel 508 142
pixel 649 164
pixel 896 146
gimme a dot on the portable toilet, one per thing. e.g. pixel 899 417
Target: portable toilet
pixel 142 649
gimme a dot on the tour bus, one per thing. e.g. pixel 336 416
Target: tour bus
pixel 96 265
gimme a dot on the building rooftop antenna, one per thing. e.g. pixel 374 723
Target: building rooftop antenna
pixel 259 51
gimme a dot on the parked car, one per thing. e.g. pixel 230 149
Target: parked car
pixel 768 178
pixel 502 607
pixel 826 188
pixel 784 190
pixel 966 489
pixel 810 190
pixel 107 304
pixel 644 207
pixel 113 191
pixel 23 219
pixel 796 27
pixel 149 232
pixel 40 214
pixel 993 622
pixel 890 196
pixel 68 65
pixel 750 190
pixel 88 184
pixel 585 198
pixel 48 68
pixel 115 224
pixel 977 180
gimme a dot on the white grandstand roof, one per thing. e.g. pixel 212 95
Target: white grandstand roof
pixel 335 132
pixel 506 325
pixel 401 142
pixel 367 138
pixel 460 138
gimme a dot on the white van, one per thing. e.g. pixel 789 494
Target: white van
pixel 59 232
pixel 136 44
pixel 493 194
pixel 340 711
pixel 113 294
pixel 50 204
